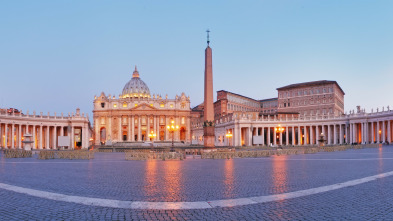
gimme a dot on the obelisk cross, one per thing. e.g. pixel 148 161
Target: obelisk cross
pixel 208 41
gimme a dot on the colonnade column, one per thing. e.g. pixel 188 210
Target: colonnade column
pixel 311 135
pixel 299 133
pixel 72 137
pixel 306 136
pixel 389 132
pixel 316 134
pixel 340 130
pixel 372 132
pixel 55 136
pixel 287 136
pixel 263 135
pixel 19 136
pixel 47 138
pixel 268 136
pixel 250 134
pixel 293 135
pixel 12 136
pixel 40 144
pixel 335 134
pixel 383 132
pixel 5 135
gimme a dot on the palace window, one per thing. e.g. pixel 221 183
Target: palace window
pixel 136 105
pixel 151 105
pixel 171 106
pixel 162 105
pixel 115 105
pixel 102 105
pixel 124 104
pixel 183 120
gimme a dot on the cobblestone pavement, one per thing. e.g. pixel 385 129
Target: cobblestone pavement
pixel 109 176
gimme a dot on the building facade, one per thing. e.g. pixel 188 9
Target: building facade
pixel 311 98
pixel 135 114
pixel 45 129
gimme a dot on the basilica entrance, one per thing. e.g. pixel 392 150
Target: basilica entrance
pixel 124 135
pixel 182 134
pixel 102 135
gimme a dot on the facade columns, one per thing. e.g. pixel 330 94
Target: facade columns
pixel 132 128
pixel 129 137
pixel 299 135
pixel 139 129
pixel 311 135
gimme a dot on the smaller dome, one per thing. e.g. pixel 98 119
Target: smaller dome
pixel 135 87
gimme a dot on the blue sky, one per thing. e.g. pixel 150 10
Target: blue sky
pixel 56 55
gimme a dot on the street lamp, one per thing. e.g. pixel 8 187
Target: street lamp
pixel 229 135
pixel 152 135
pixel 172 128
pixel 279 129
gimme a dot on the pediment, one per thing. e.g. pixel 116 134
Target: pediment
pixel 144 107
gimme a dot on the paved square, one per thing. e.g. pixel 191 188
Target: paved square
pixel 338 185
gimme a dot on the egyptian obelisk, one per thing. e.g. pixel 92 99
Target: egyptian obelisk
pixel 208 114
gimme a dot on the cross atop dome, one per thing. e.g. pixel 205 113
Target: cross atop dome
pixel 135 74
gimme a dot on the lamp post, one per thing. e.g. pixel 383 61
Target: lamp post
pixel 279 130
pixel 229 136
pixel 172 128
pixel 152 135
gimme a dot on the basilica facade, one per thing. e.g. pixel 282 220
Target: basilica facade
pixel 136 116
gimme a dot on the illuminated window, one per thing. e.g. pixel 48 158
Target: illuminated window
pixel 183 120
pixel 162 105
pixel 151 105
pixel 114 105
pixel 171 105
pixel 124 104
pixel 136 105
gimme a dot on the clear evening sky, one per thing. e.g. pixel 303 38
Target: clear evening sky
pixel 56 55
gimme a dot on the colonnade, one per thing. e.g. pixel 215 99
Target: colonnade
pixel 359 128
pixel 45 130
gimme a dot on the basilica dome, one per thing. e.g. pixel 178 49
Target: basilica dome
pixel 135 87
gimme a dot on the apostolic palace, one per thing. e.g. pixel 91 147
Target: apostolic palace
pixel 301 114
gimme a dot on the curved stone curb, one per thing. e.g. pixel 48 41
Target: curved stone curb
pixel 90 201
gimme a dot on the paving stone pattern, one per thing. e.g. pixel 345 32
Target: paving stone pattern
pixel 109 176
